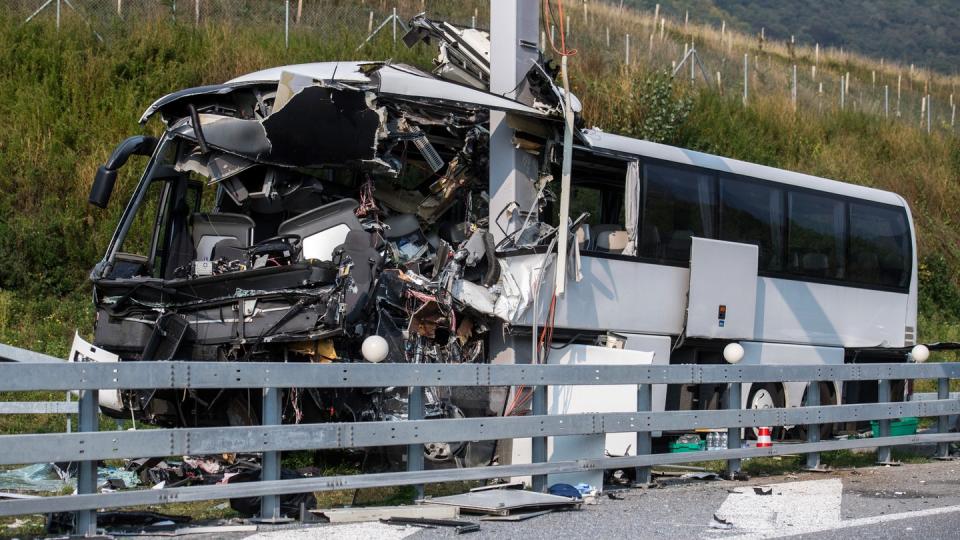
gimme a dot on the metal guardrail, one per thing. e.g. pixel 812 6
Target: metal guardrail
pixel 273 438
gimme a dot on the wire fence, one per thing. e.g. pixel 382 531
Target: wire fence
pixel 813 79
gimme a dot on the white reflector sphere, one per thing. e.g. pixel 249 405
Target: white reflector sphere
pixel 920 353
pixel 374 349
pixel 733 353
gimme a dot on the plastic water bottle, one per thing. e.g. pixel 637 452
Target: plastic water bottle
pixel 723 440
pixel 711 441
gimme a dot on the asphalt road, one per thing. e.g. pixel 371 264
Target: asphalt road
pixel 920 501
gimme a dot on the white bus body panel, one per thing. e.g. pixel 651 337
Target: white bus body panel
pixel 616 295
pixel 640 298
pixel 816 313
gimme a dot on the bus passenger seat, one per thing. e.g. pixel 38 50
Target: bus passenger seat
pixel 600 230
pixel 211 229
pixel 583 236
pixel 612 241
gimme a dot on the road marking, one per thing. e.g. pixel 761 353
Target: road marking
pixel 859 522
pixel 789 507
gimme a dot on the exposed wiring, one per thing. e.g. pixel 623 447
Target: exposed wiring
pixel 548 16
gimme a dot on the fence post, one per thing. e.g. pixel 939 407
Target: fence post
pixel 929 114
pixel 644 444
pixel 394 21
pixel 883 396
pixel 843 92
pixel 626 50
pixel 120 8
pixel 415 451
pixel 196 12
pixel 746 81
pixel 943 392
pixel 733 434
pixel 886 101
pixel 58 15
pixel 286 26
pixel 793 91
pixel 539 446
pixel 270 468
pixel 813 430
pixel 88 409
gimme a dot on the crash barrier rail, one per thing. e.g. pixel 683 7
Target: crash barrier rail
pixel 88 446
pixel 68 406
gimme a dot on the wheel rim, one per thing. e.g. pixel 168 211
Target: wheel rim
pixel 761 399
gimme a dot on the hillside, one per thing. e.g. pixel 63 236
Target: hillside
pixel 921 32
pixel 68 99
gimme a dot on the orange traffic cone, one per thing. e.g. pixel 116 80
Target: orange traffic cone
pixel 763 438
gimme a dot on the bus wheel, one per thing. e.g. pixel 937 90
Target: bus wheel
pixel 765 396
pixel 828 396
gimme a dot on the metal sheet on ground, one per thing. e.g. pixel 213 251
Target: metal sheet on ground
pixel 503 501
pixel 517 517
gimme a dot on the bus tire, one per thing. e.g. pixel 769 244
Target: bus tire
pixel 828 396
pixel 765 396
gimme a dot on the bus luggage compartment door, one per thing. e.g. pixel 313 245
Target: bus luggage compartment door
pixel 723 289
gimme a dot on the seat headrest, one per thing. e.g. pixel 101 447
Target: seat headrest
pixel 612 241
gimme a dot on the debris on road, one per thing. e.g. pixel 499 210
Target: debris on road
pixel 459 527
pixel 720 523
pixel 505 501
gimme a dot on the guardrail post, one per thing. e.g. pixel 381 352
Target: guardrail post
pixel 415 451
pixel 87 473
pixel 943 392
pixel 813 430
pixel 270 468
pixel 539 446
pixel 733 434
pixel 644 446
pixel 883 396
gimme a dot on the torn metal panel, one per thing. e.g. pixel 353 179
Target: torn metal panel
pixel 401 80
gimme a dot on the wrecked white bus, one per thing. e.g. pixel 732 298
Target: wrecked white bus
pixel 340 212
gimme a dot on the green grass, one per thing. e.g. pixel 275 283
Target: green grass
pixel 834 459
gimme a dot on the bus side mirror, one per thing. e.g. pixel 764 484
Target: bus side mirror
pixel 103 182
pixel 102 186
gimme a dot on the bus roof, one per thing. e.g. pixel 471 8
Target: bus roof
pixel 600 140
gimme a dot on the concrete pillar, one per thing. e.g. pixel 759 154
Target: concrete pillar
pixel 514 26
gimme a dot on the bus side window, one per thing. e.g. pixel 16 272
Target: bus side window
pixel 879 246
pixel 678 205
pixel 815 236
pixel 752 213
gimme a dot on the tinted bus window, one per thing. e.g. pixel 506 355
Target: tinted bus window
pixel 678 205
pixel 752 213
pixel 815 238
pixel 879 246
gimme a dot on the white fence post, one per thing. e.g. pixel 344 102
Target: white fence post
pixel 793 92
pixel 626 50
pixel 746 77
